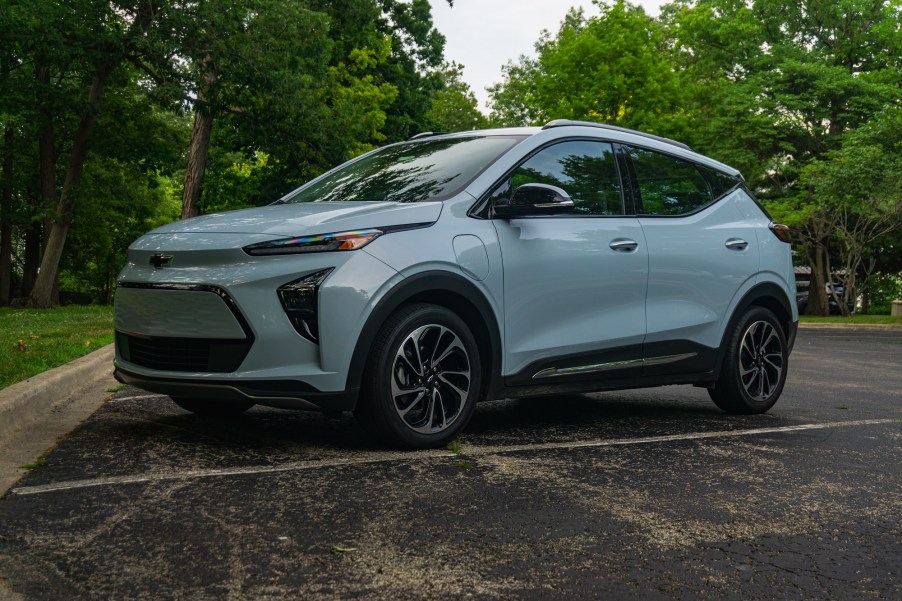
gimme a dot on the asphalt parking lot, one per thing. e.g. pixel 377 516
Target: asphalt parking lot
pixel 647 494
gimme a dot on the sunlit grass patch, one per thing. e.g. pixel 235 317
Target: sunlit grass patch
pixel 35 340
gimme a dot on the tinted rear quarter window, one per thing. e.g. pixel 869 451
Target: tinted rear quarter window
pixel 720 182
pixel 668 185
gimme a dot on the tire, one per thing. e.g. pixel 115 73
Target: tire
pixel 413 401
pixel 754 364
pixel 212 408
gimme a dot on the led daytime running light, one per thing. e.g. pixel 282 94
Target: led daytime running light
pixel 312 244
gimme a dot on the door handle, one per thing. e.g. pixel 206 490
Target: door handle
pixel 736 244
pixel 624 245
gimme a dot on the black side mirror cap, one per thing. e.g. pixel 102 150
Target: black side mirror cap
pixel 535 199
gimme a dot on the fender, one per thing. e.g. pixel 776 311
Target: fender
pixel 441 288
pixel 766 294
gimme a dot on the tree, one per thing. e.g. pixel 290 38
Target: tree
pixel 778 88
pixel 613 68
pixel 454 106
pixel 249 56
pixel 90 39
pixel 93 103
pixel 861 188
pixel 306 99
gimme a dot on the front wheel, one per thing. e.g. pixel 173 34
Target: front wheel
pixel 754 364
pixel 422 380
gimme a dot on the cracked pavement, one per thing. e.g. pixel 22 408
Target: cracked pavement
pixel 645 494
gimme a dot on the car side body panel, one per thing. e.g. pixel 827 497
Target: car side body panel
pixel 693 275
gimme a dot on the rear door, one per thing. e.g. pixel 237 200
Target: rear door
pixel 702 250
pixel 574 284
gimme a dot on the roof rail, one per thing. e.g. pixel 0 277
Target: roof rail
pixel 569 122
pixel 425 134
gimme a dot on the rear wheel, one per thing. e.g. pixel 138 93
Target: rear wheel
pixel 754 368
pixel 422 380
pixel 212 408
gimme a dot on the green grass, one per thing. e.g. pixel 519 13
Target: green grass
pixel 35 340
pixel 41 461
pixel 853 319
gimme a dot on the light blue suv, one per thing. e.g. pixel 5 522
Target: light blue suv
pixel 422 277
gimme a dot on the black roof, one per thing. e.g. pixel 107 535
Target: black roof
pixel 570 122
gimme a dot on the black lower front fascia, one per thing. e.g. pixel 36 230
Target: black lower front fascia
pixel 288 394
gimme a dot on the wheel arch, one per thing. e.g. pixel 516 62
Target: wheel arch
pixel 448 290
pixel 769 296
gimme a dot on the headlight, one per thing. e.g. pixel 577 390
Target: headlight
pixel 315 244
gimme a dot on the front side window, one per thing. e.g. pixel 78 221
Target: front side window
pixel 586 170
pixel 668 185
pixel 430 169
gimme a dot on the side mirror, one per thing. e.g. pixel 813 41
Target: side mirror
pixel 535 199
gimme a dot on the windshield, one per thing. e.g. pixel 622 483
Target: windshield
pixel 411 172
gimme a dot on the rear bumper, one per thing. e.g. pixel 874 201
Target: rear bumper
pixel 288 394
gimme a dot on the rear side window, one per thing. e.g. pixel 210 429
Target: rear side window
pixel 720 182
pixel 586 170
pixel 668 185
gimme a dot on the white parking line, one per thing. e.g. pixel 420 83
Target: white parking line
pixel 469 451
pixel 135 397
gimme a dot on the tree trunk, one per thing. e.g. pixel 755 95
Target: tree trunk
pixel 6 226
pixel 866 286
pixel 817 298
pixel 197 162
pixel 42 294
pixel 32 257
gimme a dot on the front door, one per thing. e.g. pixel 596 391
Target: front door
pixel 574 284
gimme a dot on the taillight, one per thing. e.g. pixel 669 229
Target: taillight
pixel 782 232
pixel 299 299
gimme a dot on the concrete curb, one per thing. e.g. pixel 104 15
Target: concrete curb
pixel 885 327
pixel 28 401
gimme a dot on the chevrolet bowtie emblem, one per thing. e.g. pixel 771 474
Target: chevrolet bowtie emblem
pixel 159 260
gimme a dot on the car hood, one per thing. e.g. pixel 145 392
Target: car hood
pixel 288 220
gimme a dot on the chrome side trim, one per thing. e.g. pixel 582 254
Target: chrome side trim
pixel 668 359
pixel 566 204
pixel 551 372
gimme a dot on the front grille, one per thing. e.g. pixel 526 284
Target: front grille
pixel 183 354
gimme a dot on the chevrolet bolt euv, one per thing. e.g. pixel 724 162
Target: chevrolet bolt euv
pixel 415 280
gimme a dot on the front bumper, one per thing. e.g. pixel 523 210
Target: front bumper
pixel 212 321
pixel 288 394
pixel 791 338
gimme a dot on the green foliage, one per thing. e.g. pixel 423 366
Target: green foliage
pixel 853 319
pixel 454 106
pixel 864 173
pixel 612 68
pixel 295 88
pixel 883 289
pixel 119 201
